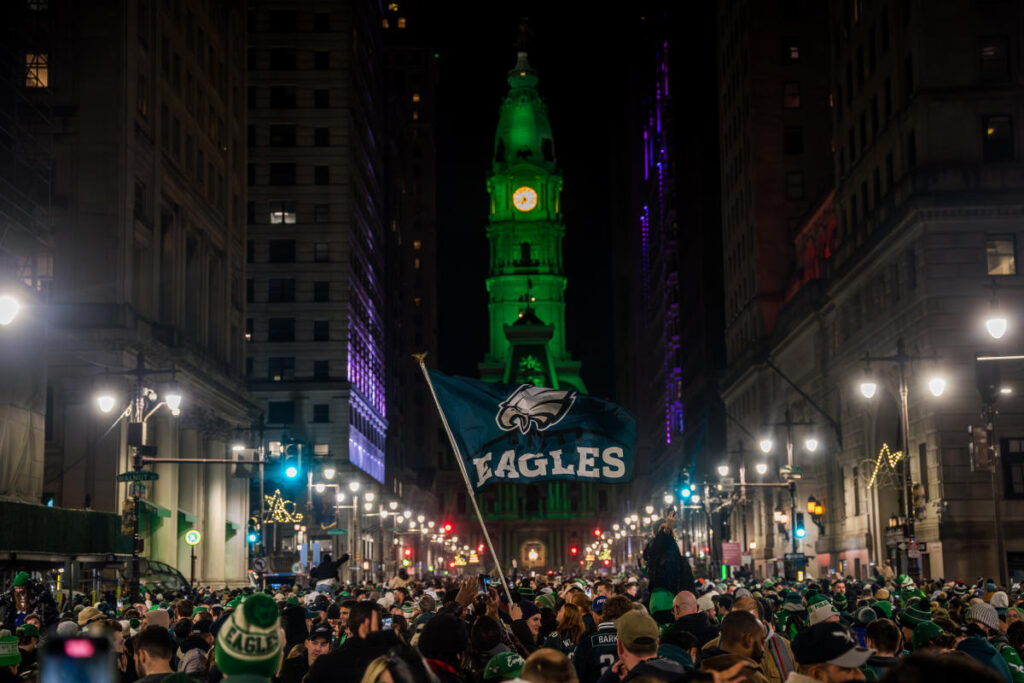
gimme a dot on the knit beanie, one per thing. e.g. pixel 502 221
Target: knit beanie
pixel 983 613
pixel 924 633
pixel 21 579
pixel 249 642
pixel 10 655
pixel 154 617
pixel 444 637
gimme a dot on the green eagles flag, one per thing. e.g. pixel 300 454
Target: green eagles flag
pixel 521 433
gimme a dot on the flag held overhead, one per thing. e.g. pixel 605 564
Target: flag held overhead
pixel 524 433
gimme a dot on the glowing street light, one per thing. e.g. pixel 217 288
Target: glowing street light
pixel 9 308
pixel 937 385
pixel 353 486
pixel 649 509
pixel 105 401
pixel 668 498
pixel 329 472
pixel 868 386
pixel 761 468
pixel 766 445
pixel 811 444
pixel 320 487
pixel 393 505
pixel 339 497
pixel 723 470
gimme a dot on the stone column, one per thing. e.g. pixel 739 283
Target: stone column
pixel 214 515
pixel 237 512
pixel 188 490
pixel 165 489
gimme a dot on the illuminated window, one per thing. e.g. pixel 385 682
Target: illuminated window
pixel 416 263
pixel 384 23
pixel 392 6
pixel 37 70
pixel 415 97
pixel 282 212
pixel 997 139
pixel 416 244
pixel 791 94
pixel 790 49
pixel 401 22
pixel 415 116
pixel 1000 252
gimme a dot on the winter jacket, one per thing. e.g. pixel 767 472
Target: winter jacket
pixel 294 668
pixel 556 642
pixel 751 672
pixel 778 660
pixel 666 567
pixel 657 669
pixel 699 626
pixel 676 654
pixel 1003 647
pixel 596 653
pixel 348 662
pixel 985 654
pixel 192 656
pixel 876 667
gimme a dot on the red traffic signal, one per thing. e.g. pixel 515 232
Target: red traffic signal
pixel 447 528
pixel 607 563
pixel 574 551
pixel 407 552
pixel 480 549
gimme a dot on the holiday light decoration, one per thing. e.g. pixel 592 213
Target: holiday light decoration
pixel 885 456
pixel 280 510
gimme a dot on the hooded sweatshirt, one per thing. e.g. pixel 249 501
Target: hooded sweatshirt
pixel 986 655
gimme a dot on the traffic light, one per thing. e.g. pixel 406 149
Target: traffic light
pixel 480 549
pixel 799 529
pixel 685 487
pixel 597 532
pixel 574 547
pixel 446 528
pixel 254 537
pixel 574 550
pixel 291 460
pixel 407 553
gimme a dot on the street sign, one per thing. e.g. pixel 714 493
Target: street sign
pixel 260 564
pixel 791 472
pixel 192 537
pixel 336 532
pixel 731 554
pixel 138 476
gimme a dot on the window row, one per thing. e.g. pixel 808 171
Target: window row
pixel 282 369
pixel 287 59
pixel 283 330
pixel 286 212
pixel 283 251
pixel 286 135
pixel 282 290
pixel 284 173
pixel 287 21
pixel 287 97
pixel 283 412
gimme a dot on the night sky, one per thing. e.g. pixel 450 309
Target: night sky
pixel 575 53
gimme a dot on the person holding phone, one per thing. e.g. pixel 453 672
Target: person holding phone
pixel 668 571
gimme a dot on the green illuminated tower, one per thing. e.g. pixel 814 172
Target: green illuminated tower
pixel 526 284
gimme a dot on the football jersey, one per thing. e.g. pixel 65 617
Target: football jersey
pixel 596 653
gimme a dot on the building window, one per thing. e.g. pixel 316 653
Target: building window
pixel 321 412
pixel 321 369
pixel 282 212
pixel 995 59
pixel 281 412
pixel 248 366
pixel 282 135
pixel 321 213
pixel 282 173
pixel 250 212
pixel 250 251
pixel 790 49
pixel 321 291
pixel 281 369
pixel 321 175
pixel 283 58
pixel 282 97
pixel 794 140
pixel 322 137
pixel 281 251
pixel 321 252
pixel 37 70
pixel 322 59
pixel 795 185
pixel 250 290
pixel 997 139
pixel 1013 467
pixel 321 330
pixel 281 330
pixel 321 98
pixel 251 97
pixel 321 22
pixel 281 290
pixel 908 77
pixel 249 329
pixel 911 150
pixel 1000 252
pixel 791 94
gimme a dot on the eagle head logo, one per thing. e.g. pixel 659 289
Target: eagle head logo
pixel 531 406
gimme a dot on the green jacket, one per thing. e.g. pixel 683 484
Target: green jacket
pixel 1010 656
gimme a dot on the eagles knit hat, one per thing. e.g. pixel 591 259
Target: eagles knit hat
pixel 249 642
pixel 999 600
pixel 883 608
pixel 504 665
pixel 912 616
pixel 662 600
pixel 408 609
pixel 547 600
pixel 839 600
pixel 10 655
pixel 924 633
pixel 983 613
pixel 27 631
pixel 865 615
pixel 882 594
pixel 21 580
pixel 154 617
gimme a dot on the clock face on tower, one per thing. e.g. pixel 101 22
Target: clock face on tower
pixel 524 198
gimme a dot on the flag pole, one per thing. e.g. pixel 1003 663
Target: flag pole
pixel 465 476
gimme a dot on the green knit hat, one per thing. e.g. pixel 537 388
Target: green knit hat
pixel 21 579
pixel 924 633
pixel 504 666
pixel 548 600
pixel 661 600
pixel 885 606
pixel 249 641
pixel 10 655
pixel 912 616
pixel 27 631
pixel 839 600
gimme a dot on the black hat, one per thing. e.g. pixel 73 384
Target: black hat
pixel 829 643
pixel 321 631
pixel 443 637
pixel 334 611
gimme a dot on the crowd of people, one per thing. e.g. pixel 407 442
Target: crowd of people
pixel 540 629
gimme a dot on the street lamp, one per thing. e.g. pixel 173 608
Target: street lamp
pixel 996 323
pixel 105 402
pixel 393 505
pixel 649 509
pixel 766 445
pixel 868 386
pixel 353 486
pixel 811 444
pixel 668 498
pixel 937 385
pixel 761 468
pixel 9 308
pixel 723 470
pixel 329 472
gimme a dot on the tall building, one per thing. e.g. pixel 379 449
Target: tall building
pixel 538 524
pixel 148 266
pixel 316 249
pixel 911 254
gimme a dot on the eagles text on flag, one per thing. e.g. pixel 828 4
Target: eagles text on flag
pixel 524 433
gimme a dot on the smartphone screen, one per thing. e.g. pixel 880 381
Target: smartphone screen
pixel 77 660
pixel 387 622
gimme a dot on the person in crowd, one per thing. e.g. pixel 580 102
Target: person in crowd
pixel 153 649
pixel 884 638
pixel 596 653
pixel 10 658
pixel 690 619
pixel 298 662
pixel 827 652
pixel 667 569
pixel 28 640
pixel 548 666
pixel 444 643
pixel 249 642
pixel 24 598
pixel 569 630
pixel 742 640
pixel 985 618
pixel 637 652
